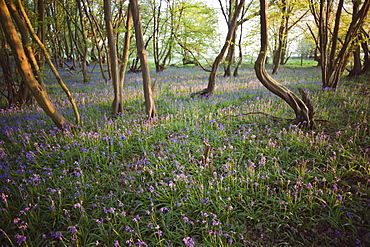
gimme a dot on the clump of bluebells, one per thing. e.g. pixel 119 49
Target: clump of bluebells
pixel 127 181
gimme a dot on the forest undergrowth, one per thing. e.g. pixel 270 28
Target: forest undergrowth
pixel 128 181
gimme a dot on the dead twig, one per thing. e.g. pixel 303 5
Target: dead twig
pixel 207 150
pixel 262 113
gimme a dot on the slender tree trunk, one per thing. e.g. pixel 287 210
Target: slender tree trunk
pixel 356 51
pixel 95 38
pixel 230 55
pixel 236 71
pixel 334 57
pixel 126 46
pixel 7 72
pixel 366 52
pixel 284 50
pixel 150 109
pixel 86 77
pixel 302 108
pixel 212 77
pixel 357 65
pixel 280 40
pixel 117 102
pixel 25 68
pixel 26 42
pixel 156 26
pixel 27 24
pixel 41 27
pixel 278 51
pixel 230 34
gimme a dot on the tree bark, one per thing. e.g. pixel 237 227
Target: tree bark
pixel 25 68
pixel 303 110
pixel 230 55
pixel 126 46
pixel 150 109
pixel 240 59
pixel 7 73
pixel 356 51
pixel 117 102
pixel 26 41
pixel 357 65
pixel 366 51
pixel 86 77
pixel 95 38
pixel 41 28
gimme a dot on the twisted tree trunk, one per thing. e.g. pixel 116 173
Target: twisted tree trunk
pixel 303 110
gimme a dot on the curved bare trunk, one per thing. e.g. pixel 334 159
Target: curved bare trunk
pixel 302 108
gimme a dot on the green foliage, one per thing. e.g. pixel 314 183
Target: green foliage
pixel 126 180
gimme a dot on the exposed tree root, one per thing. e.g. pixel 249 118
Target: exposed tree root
pixel 203 93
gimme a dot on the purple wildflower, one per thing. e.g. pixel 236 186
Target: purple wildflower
pixel 141 243
pixel 339 198
pixel 73 229
pixel 188 241
pixel 3 197
pixel 56 235
pixel 136 219
pixel 20 239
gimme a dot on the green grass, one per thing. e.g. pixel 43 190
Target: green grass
pixel 128 181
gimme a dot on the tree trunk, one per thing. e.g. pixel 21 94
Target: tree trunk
pixel 86 77
pixel 95 38
pixel 9 86
pixel 278 51
pixel 26 42
pixel 126 46
pixel 236 71
pixel 356 51
pixel 303 110
pixel 150 109
pixel 366 51
pixel 117 102
pixel 335 59
pixel 27 24
pixel 281 39
pixel 25 68
pixel 212 77
pixel 230 55
pixel 357 65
